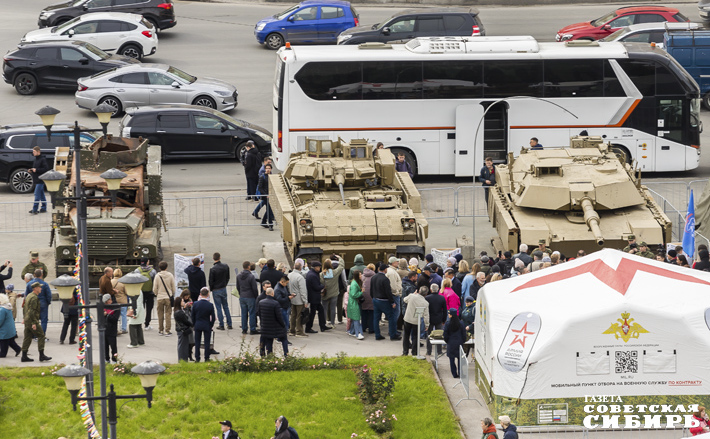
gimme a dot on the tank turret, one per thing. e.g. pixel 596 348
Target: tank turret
pixel 339 197
pixel 578 198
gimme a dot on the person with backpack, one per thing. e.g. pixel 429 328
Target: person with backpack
pixel 283 430
pixel 147 290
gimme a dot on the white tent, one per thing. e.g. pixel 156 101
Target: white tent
pixel 606 324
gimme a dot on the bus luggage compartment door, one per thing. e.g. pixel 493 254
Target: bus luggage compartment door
pixel 469 147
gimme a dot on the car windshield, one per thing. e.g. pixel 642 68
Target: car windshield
pixel 62 27
pixel 617 35
pixel 604 19
pixel 182 75
pixel 284 14
pixel 93 52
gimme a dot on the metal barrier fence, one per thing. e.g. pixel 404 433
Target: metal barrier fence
pixel 439 202
pixel 15 218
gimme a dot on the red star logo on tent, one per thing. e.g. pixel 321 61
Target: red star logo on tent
pixel 618 279
pixel 523 330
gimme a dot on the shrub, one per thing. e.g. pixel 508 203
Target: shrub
pixel 249 360
pixel 375 392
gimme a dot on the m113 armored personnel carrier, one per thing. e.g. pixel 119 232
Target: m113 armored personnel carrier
pixel 578 198
pixel 118 235
pixel 339 197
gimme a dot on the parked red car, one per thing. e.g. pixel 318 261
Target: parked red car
pixel 615 20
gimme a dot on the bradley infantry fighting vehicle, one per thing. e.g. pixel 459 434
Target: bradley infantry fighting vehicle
pixel 336 197
pixel 117 235
pixel 577 198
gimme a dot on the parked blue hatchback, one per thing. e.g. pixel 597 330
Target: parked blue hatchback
pixel 312 21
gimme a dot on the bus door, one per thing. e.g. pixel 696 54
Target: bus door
pixel 645 154
pixel 469 149
pixel 495 132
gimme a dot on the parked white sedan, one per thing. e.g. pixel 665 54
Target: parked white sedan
pixel 126 34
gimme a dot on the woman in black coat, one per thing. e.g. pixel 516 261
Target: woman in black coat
pixel 183 327
pixel 454 336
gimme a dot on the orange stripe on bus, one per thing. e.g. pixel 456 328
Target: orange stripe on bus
pixel 374 129
pixel 616 125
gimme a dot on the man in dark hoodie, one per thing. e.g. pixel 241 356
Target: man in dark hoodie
pixel 358 265
pixel 704 262
pixel 315 288
pixel 219 278
pixel 283 430
pixel 195 278
pixel 270 273
pixel 248 291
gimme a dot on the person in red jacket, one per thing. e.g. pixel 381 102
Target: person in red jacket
pixel 702 419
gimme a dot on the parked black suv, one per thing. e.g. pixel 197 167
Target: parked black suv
pixel 56 64
pixel 413 23
pixel 159 12
pixel 190 131
pixel 16 143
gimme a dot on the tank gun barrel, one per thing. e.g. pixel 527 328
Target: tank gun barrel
pixel 591 217
pixel 340 180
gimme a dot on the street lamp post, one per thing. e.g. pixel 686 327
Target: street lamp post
pixel 148 372
pixel 53 181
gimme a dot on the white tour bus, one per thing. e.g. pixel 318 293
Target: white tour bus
pixel 430 99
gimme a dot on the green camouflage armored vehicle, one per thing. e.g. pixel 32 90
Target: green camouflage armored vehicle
pixel 336 197
pixel 583 197
pixel 117 235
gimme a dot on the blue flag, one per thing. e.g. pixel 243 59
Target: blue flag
pixel 689 230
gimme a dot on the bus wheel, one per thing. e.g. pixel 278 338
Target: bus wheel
pixel 622 153
pixel 706 101
pixel 408 157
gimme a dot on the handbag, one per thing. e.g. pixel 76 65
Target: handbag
pixel 304 314
pixel 235 292
pixel 170 296
pixel 361 299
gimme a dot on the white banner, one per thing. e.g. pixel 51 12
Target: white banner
pixel 181 262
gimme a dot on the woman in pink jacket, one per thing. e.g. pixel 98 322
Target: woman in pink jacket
pixel 452 299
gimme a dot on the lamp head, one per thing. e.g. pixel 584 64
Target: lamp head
pixel 47 114
pixel 65 285
pixel 113 178
pixel 133 282
pixel 104 113
pixel 53 180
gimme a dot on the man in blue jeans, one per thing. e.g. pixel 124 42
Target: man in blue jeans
pixel 45 297
pixel 38 168
pixel 248 291
pixel 219 278
pixel 383 302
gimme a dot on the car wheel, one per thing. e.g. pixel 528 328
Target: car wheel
pixel 21 181
pixel 622 153
pixel 274 41
pixel 408 157
pixel 112 102
pixel 26 84
pixel 132 51
pixel 204 101
pixel 706 101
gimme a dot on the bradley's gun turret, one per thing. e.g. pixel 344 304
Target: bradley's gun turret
pixel 121 234
pixel 338 197
pixel 577 198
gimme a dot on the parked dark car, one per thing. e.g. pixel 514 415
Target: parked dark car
pixel 16 143
pixel 189 131
pixel 413 23
pixel 159 12
pixel 56 64
pixel 311 21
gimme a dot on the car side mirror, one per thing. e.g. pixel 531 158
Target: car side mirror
pixel 606 27
pixel 86 8
pixel 385 31
pixel 175 84
pixel 70 32
pixel 291 18
pixel 224 128
pixel 84 61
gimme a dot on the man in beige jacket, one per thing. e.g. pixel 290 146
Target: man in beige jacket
pixel 396 285
pixel 164 289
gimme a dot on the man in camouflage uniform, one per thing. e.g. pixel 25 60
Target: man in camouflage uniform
pixel 645 252
pixel 32 325
pixel 35 264
pixel 542 246
pixel 632 240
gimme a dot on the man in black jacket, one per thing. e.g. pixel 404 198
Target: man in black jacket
pixel 246 285
pixel 195 278
pixel 272 323
pixel 252 163
pixel 219 278
pixel 38 168
pixel 384 303
pixel 437 316
pixel 488 176
pixel 270 273
pixel 267 220
pixel 203 318
pixel 315 288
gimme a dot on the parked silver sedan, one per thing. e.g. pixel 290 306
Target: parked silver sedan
pixel 152 84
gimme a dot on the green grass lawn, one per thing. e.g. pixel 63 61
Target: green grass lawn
pixel 189 401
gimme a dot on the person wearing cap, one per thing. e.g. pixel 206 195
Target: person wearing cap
pixel 410 337
pixel 644 251
pixel 8 333
pixel 485 264
pixel 631 240
pixel 315 288
pixel 12 298
pixel 34 264
pixel 542 246
pixel 111 332
pixel 510 431
pixel 436 278
pixel 424 279
pixel 454 336
pixel 45 297
pixel 537 263
pixel 227 432
pixel 31 321
pixel 468 316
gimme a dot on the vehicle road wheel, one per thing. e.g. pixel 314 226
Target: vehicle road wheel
pixel 112 102
pixel 408 157
pixel 204 101
pixel 706 101
pixel 21 181
pixel 622 152
pixel 26 84
pixel 132 51
pixel 274 41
